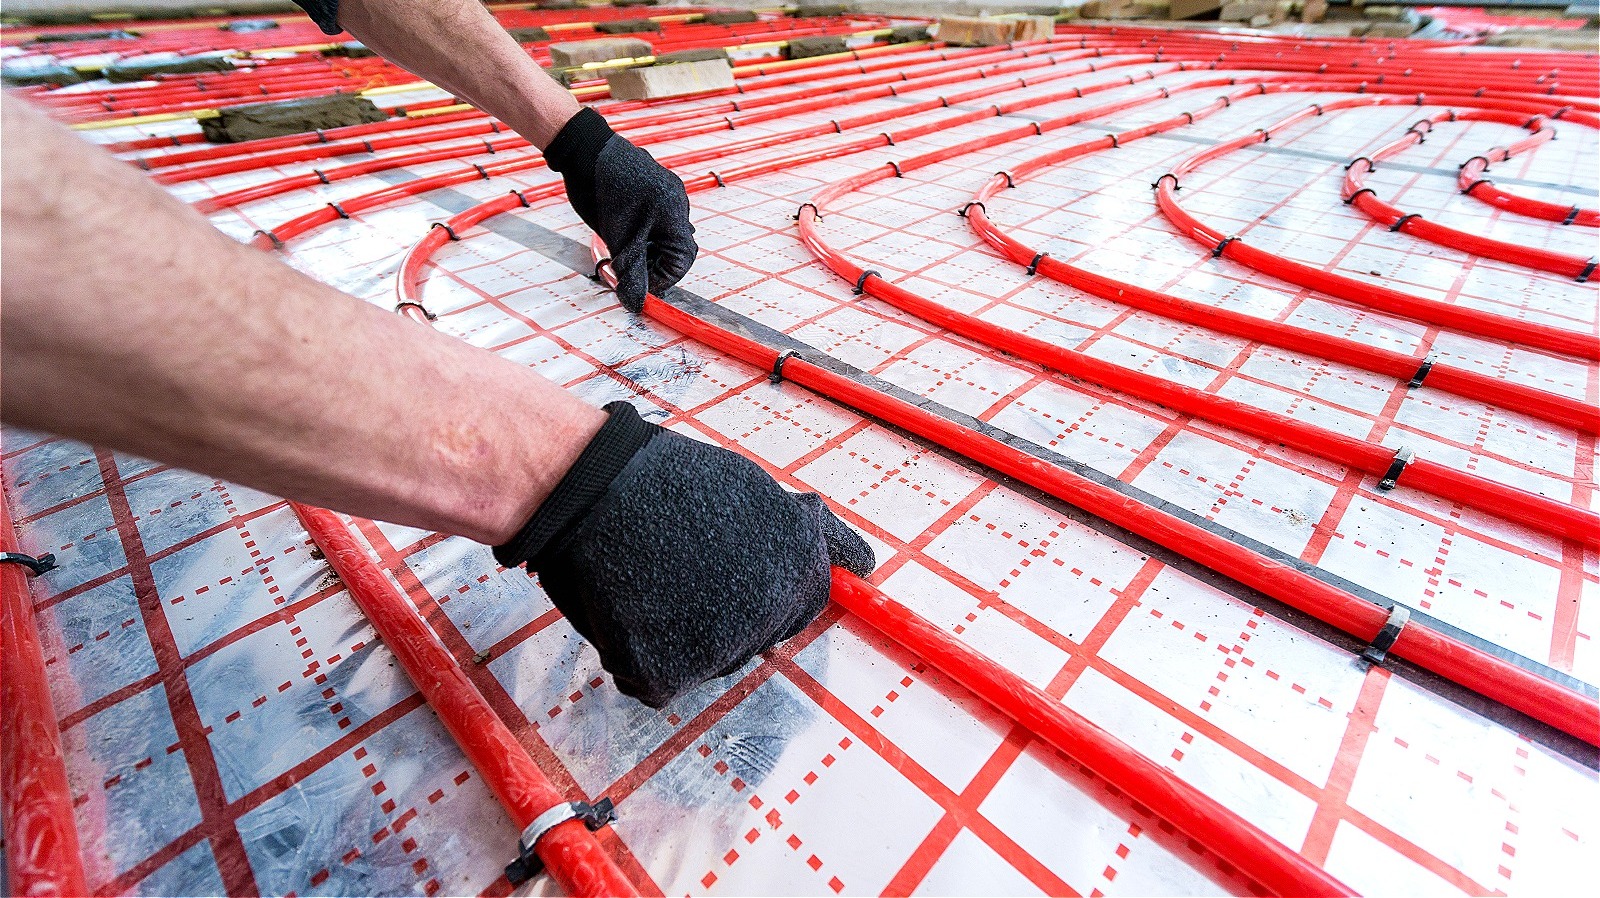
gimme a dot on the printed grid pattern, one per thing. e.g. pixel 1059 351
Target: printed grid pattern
pixel 837 763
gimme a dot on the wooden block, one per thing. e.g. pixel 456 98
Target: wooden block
pixel 572 53
pixel 973 31
pixel 1189 9
pixel 1033 28
pixel 1264 12
pixel 675 80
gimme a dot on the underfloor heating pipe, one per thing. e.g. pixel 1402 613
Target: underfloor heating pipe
pixel 1357 195
pixel 570 852
pixel 1491 676
pixel 1496 327
pixel 42 854
pixel 1511 503
pixel 1542 404
pixel 1472 182
pixel 820 97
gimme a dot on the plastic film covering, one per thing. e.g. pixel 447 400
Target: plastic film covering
pixel 233 723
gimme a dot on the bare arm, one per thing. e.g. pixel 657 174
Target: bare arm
pixel 130 323
pixel 458 45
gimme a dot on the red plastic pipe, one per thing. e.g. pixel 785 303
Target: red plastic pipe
pixel 41 834
pixel 569 851
pixel 1363 199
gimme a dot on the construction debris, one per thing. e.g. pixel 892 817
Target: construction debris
pixel 652 82
pixel 575 53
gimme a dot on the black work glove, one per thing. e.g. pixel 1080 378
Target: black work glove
pixel 679 560
pixel 623 194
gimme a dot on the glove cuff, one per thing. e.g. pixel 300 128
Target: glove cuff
pixel 619 439
pixel 579 141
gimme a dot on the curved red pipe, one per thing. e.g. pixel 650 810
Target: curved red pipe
pixel 1473 184
pixel 570 851
pixel 41 834
pixel 1357 195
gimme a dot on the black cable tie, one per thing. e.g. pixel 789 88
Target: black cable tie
pixel 1038 130
pixel 1033 267
pixel 963 210
pixel 896 167
pixel 1217 253
pixel 1166 94
pixel 447 229
pixel 1157 184
pixel 777 365
pixel 1473 186
pixel 1009 181
pixel 1571 216
pixel 1378 649
pixel 889 137
pixel 731 125
pixel 1265 135
pixel 481 170
pixel 944 103
pixel 896 93
pixel 320 176
pixel 836 128
pixel 144 164
pixel 276 243
pixel 321 137
pixel 1401 221
pixel 368 144
pixel 1422 372
pixel 522 198
pixel 1532 121
pixel 599 262
pixel 1262 90
pixel 736 106
pixel 400 309
pixel 176 142
pixel 339 209
pixel 35 566
pixel 494 127
pixel 861 282
pixel 1317 107
pixel 1114 144
pixel 1391 477
pixel 1478 92
pixel 1079 92
pixel 489 147
pixel 1587 270
pixel 720 182
pixel 1469 162
pixel 1371 166
pixel 1226 101
pixel 1189 116
pixel 815 212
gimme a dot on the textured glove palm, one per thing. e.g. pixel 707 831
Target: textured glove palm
pixel 678 560
pixel 623 194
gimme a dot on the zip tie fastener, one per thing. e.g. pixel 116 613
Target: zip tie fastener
pixel 1217 253
pixel 276 243
pixel 1422 372
pixel 1157 184
pixel 1377 650
pixel 1033 267
pixel 320 176
pixel 1114 144
pixel 815 212
pixel 896 167
pixel 1474 185
pixel 963 210
pixel 522 198
pixel 718 178
pixel 1401 221
pixel 1470 160
pixel 1265 134
pixel 35 566
pixel 597 264
pixel 339 209
pixel 1009 181
pixel 481 171
pixel 1391 477
pixel 1371 166
pixel 777 365
pixel 1587 270
pixel 1571 216
pixel 527 865
pixel 861 282
pixel 447 229
pixel 400 309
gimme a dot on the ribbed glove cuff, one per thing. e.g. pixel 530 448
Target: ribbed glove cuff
pixel 579 141
pixel 619 439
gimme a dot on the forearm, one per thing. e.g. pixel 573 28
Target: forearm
pixel 132 324
pixel 459 46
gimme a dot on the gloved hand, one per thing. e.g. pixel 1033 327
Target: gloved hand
pixel 679 560
pixel 623 194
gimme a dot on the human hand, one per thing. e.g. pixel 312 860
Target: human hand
pixel 680 560
pixel 624 195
